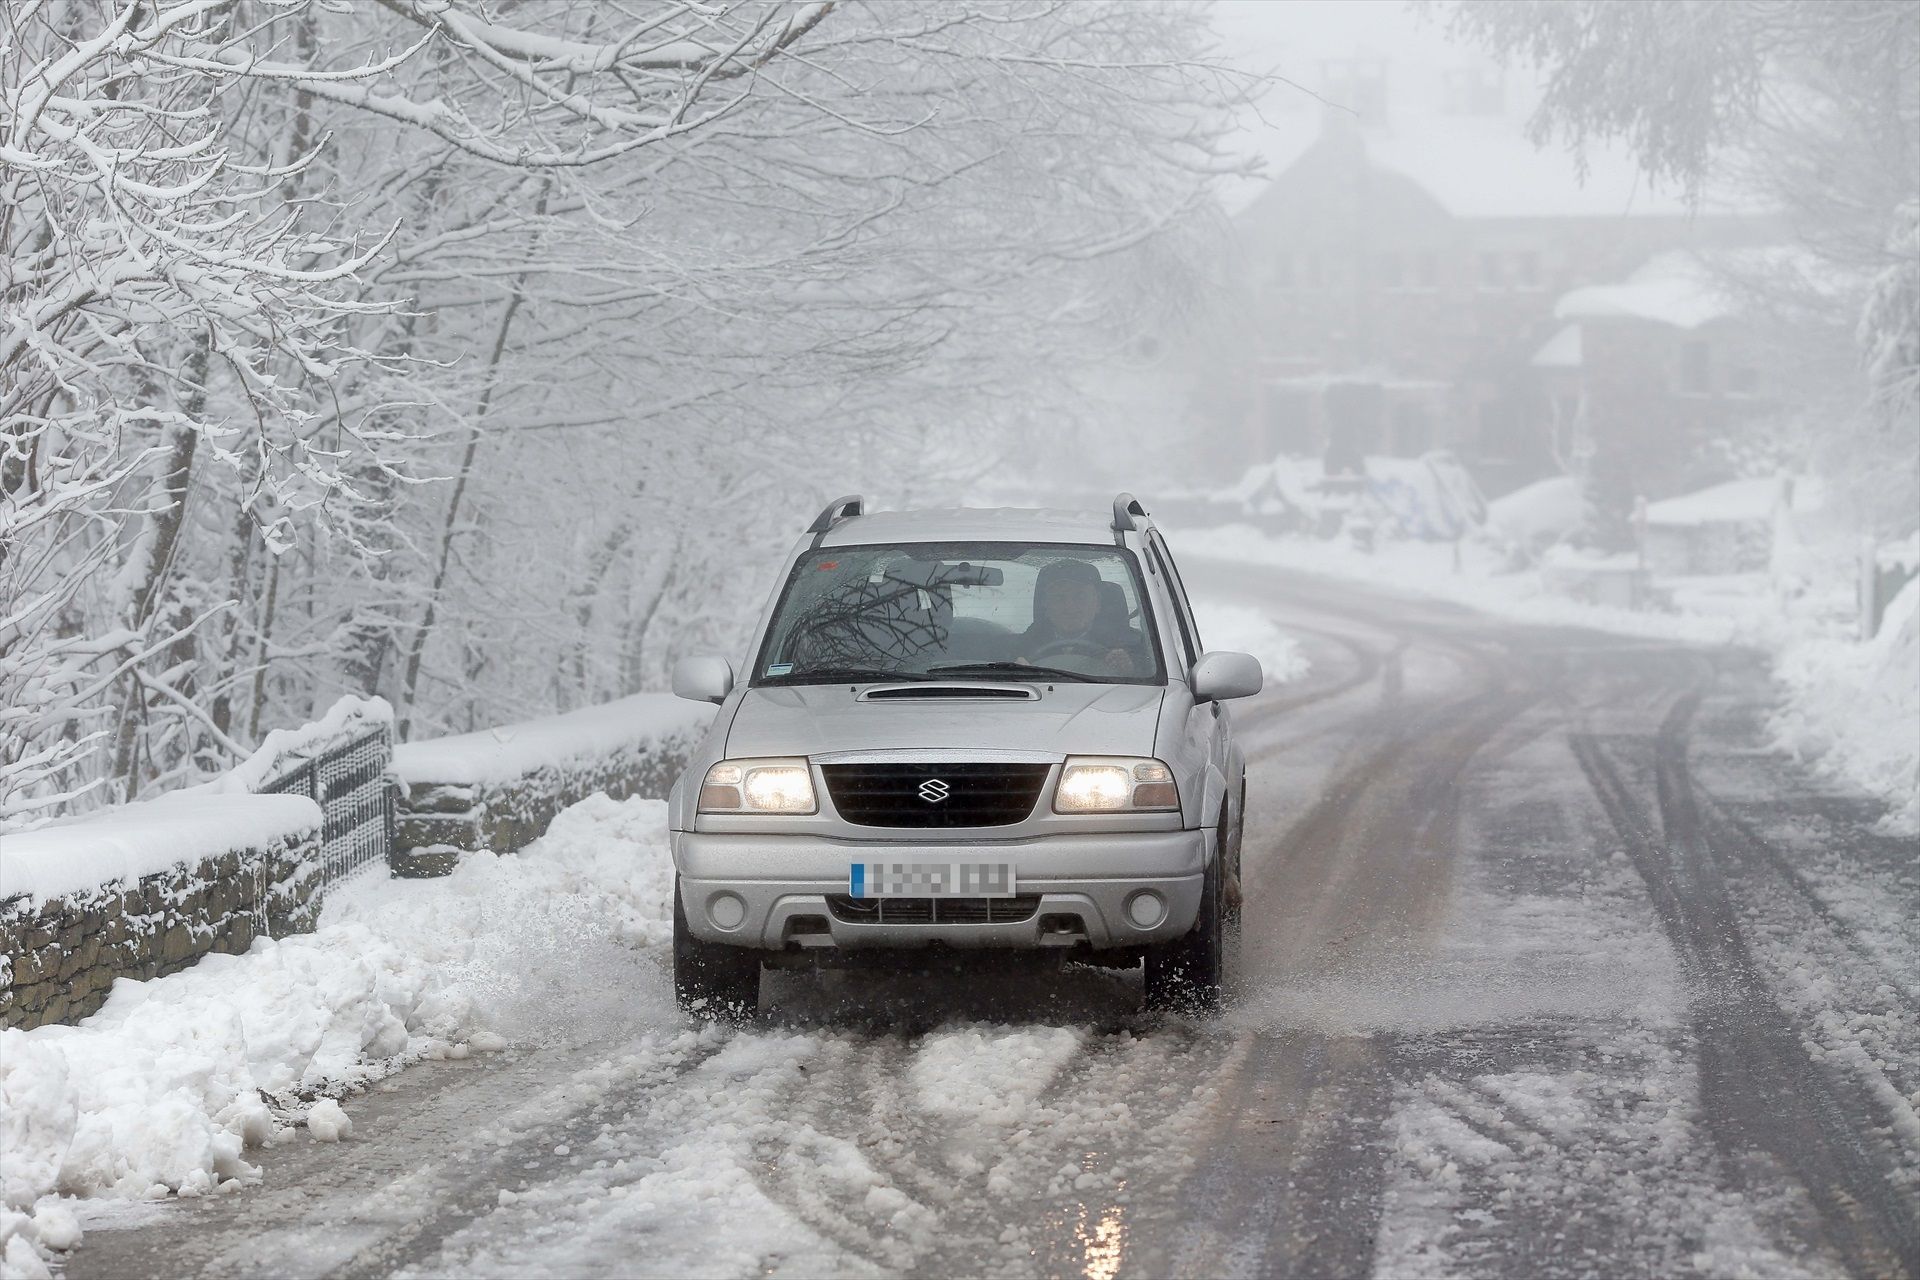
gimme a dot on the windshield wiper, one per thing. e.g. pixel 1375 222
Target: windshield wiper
pixel 836 675
pixel 1021 669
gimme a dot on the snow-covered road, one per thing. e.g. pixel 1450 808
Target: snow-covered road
pixel 1548 970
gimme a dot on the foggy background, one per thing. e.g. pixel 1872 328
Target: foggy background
pixel 479 367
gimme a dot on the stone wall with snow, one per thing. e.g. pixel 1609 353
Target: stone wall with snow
pixel 499 788
pixel 145 890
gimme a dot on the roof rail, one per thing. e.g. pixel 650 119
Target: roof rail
pixel 839 509
pixel 1125 508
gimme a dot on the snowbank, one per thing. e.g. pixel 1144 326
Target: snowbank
pixel 577 738
pixel 1856 708
pixel 1540 514
pixel 163 1091
pixel 1475 579
pixel 131 841
pixel 1248 630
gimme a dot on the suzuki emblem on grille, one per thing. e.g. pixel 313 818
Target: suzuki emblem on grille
pixel 933 791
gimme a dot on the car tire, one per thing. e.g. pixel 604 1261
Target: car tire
pixel 1237 894
pixel 1188 974
pixel 711 979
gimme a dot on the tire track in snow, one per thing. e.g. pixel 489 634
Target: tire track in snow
pixel 1737 838
pixel 931 1164
pixel 675 1189
pixel 1294 1177
pixel 1366 661
pixel 1123 1132
pixel 820 1173
pixel 441 1139
pixel 539 1139
pixel 1291 1180
pixel 1759 1090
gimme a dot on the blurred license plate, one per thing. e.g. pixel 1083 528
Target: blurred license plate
pixel 931 880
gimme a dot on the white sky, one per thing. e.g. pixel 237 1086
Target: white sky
pixel 1294 33
pixel 1474 168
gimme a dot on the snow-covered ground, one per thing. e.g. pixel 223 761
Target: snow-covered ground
pixel 1487 1017
pixel 165 1090
pixel 1851 708
pixel 176 1082
pixel 1467 574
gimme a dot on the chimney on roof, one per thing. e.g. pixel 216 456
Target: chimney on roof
pixel 1355 90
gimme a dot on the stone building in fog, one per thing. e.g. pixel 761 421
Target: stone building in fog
pixel 1643 374
pixel 1401 275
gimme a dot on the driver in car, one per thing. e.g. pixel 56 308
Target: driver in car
pixel 1069 624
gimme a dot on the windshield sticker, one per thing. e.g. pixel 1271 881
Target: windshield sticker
pixel 779 668
pixel 829 564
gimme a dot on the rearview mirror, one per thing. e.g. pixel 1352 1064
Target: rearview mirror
pixel 705 677
pixel 931 574
pixel 1222 674
pixel 973 575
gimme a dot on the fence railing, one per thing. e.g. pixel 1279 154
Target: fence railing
pixel 349 779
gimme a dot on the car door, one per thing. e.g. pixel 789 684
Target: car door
pixel 1208 728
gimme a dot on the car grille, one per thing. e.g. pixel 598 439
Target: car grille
pixel 991 794
pixel 932 910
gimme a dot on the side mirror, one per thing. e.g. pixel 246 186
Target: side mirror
pixel 705 677
pixel 1222 674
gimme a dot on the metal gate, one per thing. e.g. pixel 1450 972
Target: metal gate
pixel 348 780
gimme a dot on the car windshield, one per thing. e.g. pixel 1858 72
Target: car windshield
pixel 962 610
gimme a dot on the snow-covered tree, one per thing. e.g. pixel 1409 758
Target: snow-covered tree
pixel 166 311
pixel 473 354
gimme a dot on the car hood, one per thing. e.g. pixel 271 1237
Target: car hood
pixel 1066 719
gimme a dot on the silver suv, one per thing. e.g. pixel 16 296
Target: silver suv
pixel 977 730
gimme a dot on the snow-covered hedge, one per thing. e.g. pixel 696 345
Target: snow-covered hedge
pixel 146 889
pixel 500 788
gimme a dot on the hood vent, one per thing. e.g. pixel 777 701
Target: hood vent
pixel 976 691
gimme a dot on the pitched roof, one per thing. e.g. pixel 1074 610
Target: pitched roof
pixel 1737 501
pixel 1677 289
pixel 1562 351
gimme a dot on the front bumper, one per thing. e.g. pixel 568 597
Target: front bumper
pixel 1083 883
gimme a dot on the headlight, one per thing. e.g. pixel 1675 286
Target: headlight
pixel 758 786
pixel 1119 784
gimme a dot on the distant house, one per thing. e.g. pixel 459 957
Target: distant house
pixel 1642 372
pixel 1727 528
pixel 1404 268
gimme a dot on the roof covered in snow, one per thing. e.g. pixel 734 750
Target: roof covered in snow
pixel 1687 290
pixel 1672 288
pixel 1736 501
